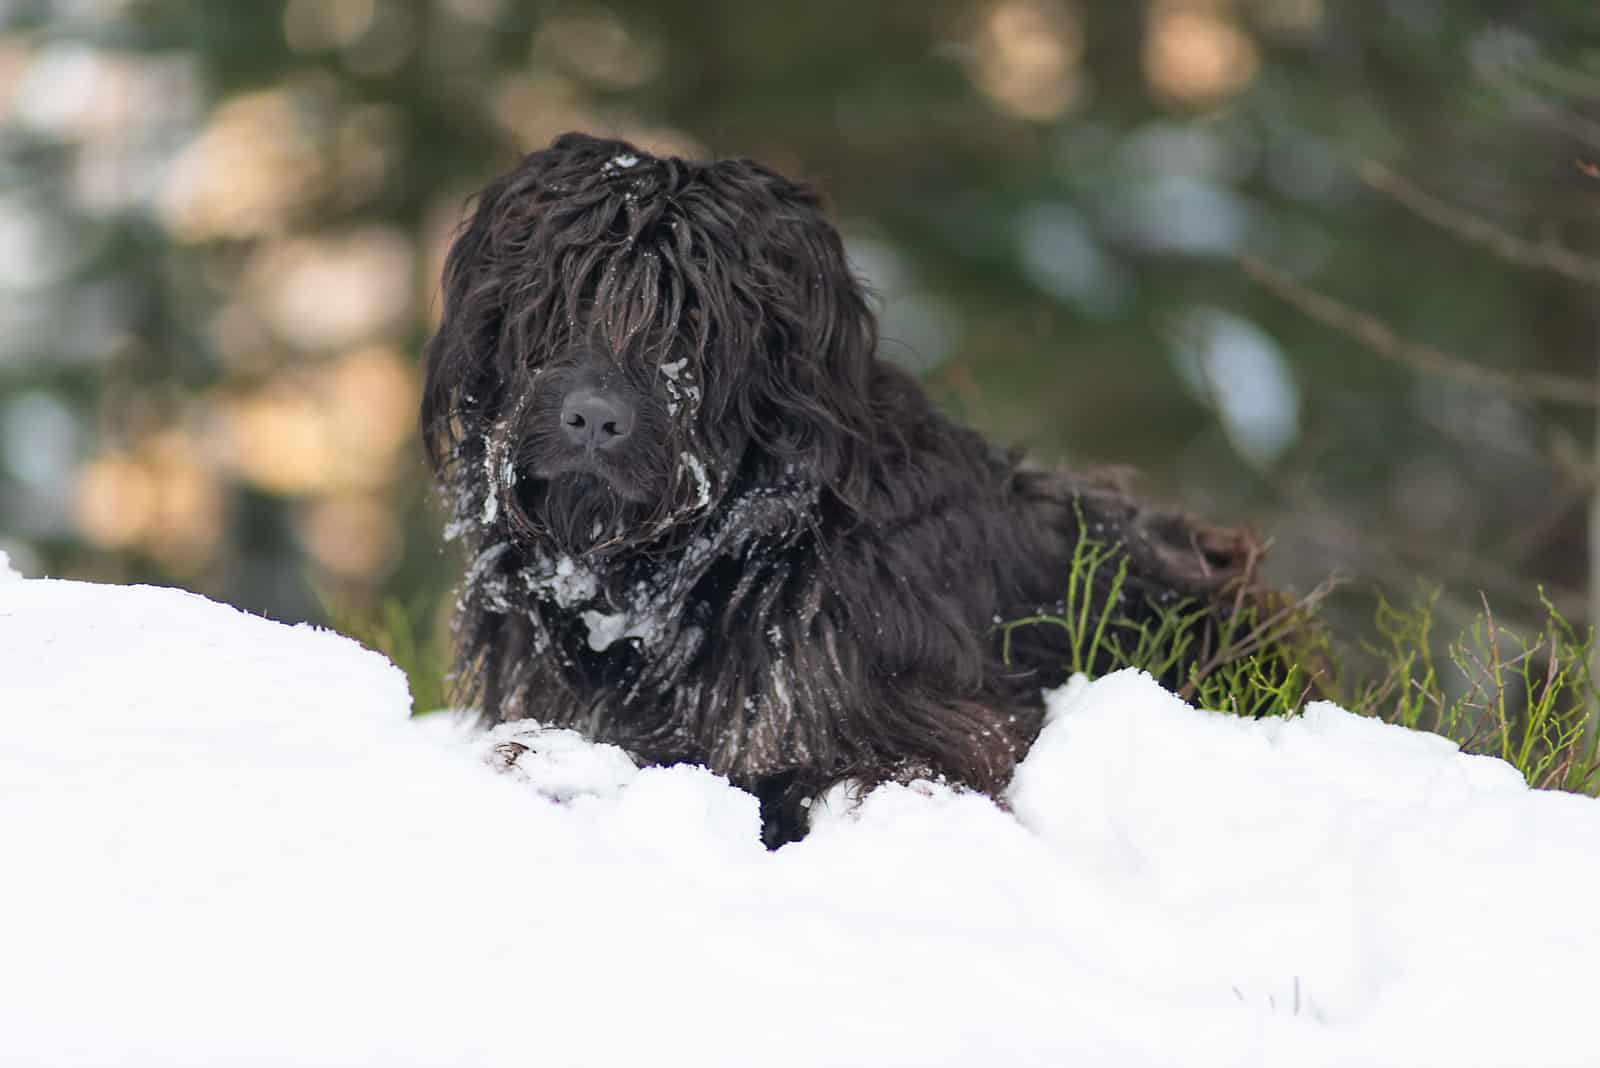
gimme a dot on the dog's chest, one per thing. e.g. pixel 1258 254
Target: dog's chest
pixel 628 629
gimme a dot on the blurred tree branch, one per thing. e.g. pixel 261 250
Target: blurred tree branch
pixel 1537 104
pixel 1475 230
pixel 1383 341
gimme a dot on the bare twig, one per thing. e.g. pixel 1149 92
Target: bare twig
pixel 1397 562
pixel 1475 230
pixel 1569 81
pixel 1280 624
pixel 1377 336
pixel 1537 105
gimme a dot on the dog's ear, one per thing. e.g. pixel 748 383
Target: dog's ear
pixel 808 402
pixel 461 378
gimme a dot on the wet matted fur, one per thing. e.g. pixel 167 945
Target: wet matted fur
pixel 791 569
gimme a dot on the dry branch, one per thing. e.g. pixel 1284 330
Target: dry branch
pixel 1379 337
pixel 1475 230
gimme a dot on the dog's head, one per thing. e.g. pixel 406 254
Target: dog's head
pixel 626 336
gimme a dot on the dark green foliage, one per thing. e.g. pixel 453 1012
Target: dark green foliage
pixel 1485 106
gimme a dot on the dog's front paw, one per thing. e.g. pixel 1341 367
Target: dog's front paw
pixel 558 764
pixel 504 755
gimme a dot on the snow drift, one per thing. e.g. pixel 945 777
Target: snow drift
pixel 224 842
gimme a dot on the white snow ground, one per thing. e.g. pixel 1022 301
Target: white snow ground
pixel 223 843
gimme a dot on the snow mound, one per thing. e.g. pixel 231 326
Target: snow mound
pixel 224 841
pixel 7 572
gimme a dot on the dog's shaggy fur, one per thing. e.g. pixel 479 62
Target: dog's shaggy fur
pixel 791 569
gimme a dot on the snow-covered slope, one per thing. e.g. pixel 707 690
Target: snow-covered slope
pixel 223 842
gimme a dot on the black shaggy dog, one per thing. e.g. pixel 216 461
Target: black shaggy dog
pixel 707 523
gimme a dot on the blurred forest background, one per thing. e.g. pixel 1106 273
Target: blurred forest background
pixel 1323 268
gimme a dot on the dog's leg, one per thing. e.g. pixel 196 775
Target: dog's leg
pixel 784 799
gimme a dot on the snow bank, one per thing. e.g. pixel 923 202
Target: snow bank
pixel 223 842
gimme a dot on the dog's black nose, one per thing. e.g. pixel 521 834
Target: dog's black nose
pixel 595 419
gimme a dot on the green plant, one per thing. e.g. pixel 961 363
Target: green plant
pixel 1526 699
pixel 405 634
pixel 1249 659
